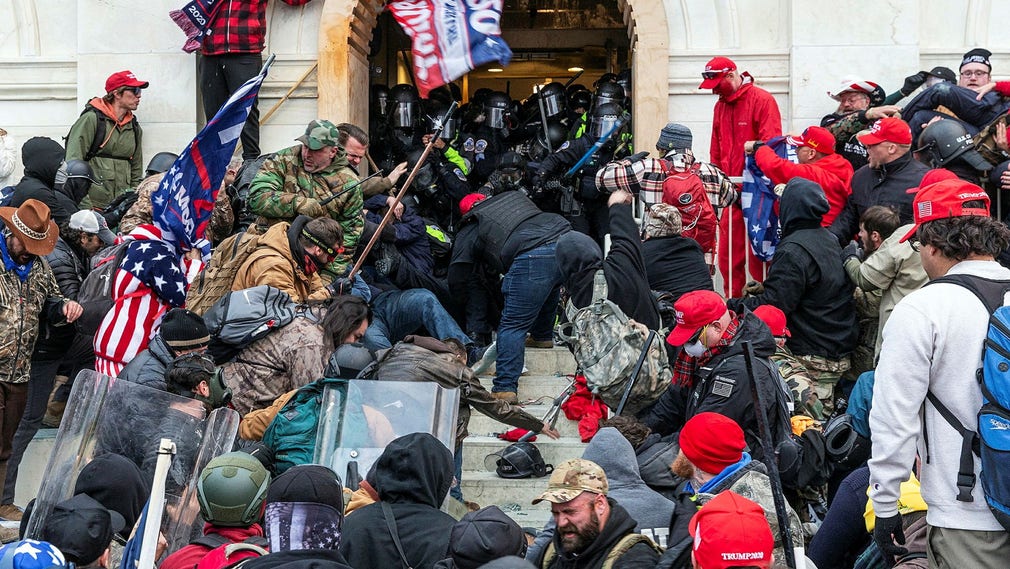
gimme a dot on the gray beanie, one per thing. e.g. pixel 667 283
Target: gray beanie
pixel 674 136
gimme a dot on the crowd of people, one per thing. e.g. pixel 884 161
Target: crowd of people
pixel 806 400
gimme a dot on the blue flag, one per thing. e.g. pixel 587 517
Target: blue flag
pixel 131 551
pixel 183 203
pixel 757 199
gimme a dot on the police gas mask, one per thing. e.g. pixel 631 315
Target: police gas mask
pixel 220 394
pixel 425 181
pixel 511 178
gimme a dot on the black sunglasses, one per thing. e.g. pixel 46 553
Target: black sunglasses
pixel 715 74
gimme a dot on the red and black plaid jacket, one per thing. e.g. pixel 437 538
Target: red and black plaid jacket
pixel 240 26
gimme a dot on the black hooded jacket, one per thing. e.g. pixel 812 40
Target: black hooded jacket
pixel 618 525
pixel 887 185
pixel 579 257
pixel 413 476
pixel 676 265
pixel 724 386
pixel 299 559
pixel 807 280
pixel 42 158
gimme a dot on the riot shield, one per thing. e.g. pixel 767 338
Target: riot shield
pixel 359 417
pixel 106 415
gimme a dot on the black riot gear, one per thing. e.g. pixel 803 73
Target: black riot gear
pixel 405 106
pixel 556 133
pixel 497 106
pixel 603 119
pixel 608 93
pixel 553 96
pixel 379 100
pixel 435 114
pixel 518 460
pixel 160 162
pixel 75 178
pixel 947 140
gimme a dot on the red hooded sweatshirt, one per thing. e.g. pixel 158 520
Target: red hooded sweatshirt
pixel 832 173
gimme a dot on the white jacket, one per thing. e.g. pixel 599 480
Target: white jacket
pixel 932 342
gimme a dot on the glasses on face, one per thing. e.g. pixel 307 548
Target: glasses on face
pixel 135 90
pixel 715 74
pixel 977 73
pixel 694 338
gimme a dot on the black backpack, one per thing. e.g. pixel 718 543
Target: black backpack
pixel 101 130
pixel 95 294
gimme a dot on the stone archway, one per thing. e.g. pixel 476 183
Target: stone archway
pixel 345 28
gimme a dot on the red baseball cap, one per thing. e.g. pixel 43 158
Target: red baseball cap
pixel 887 129
pixel 123 79
pixel 731 531
pixel 715 70
pixel 945 199
pixel 818 138
pixel 774 318
pixel 694 310
pixel 933 176
pixel 712 442
pixel 470 200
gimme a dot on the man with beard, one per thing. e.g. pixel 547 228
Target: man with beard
pixel 712 461
pixel 591 528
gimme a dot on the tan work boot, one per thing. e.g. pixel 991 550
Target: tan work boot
pixel 545 344
pixel 8 535
pixel 508 396
pixel 10 513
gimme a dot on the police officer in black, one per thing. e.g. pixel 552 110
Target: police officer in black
pixel 484 145
pixel 579 200
pixel 403 131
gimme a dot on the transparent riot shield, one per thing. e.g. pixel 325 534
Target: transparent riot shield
pixel 359 417
pixel 106 415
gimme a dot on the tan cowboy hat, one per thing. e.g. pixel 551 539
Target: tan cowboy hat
pixel 34 226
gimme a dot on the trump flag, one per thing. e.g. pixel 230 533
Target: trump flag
pixel 451 37
pixel 184 200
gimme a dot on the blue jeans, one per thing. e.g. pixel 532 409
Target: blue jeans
pixel 531 290
pixel 399 313
pixel 974 114
pixel 457 458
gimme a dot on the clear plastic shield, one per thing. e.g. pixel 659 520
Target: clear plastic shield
pixel 106 415
pixel 359 417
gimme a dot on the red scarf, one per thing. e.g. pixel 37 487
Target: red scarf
pixel 685 366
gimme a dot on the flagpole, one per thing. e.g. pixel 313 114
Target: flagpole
pixel 403 192
pixel 156 505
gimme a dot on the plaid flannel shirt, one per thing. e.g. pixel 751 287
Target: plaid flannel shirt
pixel 685 366
pixel 240 26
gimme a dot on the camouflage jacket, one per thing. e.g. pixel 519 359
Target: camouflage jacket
pixel 283 360
pixel 797 378
pixel 22 306
pixel 141 212
pixel 281 181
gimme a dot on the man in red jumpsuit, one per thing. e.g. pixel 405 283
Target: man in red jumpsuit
pixel 744 112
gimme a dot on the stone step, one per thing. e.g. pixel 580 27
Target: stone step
pixel 33 466
pixel 545 361
pixel 513 496
pixel 481 424
pixel 476 449
pixel 534 386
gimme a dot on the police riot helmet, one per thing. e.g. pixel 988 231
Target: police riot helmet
pixel 379 100
pixel 844 445
pixel 436 112
pixel 160 162
pixel 580 99
pixel 232 490
pixel 607 77
pixel 497 106
pixel 608 93
pixel 945 140
pixel 553 96
pixel 518 460
pixel 624 80
pixel 75 178
pixel 603 119
pixel 403 102
pixel 556 134
pixel 349 360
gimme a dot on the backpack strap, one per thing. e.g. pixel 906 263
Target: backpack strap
pixel 211 541
pixel 991 293
pixel 387 514
pixel 549 554
pixel 599 286
pixel 625 545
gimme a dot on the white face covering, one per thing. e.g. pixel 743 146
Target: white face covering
pixel 695 349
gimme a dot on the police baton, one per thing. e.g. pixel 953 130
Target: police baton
pixel 439 125
pixel 349 188
pixel 770 461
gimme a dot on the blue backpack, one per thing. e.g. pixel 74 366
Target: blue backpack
pixel 292 434
pixel 990 439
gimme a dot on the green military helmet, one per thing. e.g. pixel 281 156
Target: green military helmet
pixel 232 490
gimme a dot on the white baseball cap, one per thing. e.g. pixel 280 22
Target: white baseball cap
pixel 90 221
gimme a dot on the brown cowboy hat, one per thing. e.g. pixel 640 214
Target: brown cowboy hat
pixel 33 225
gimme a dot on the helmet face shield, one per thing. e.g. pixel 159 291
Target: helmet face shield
pixel 518 460
pixel 599 126
pixel 554 103
pixel 404 114
pixel 495 117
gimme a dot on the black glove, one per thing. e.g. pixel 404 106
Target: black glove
pixel 913 82
pixel 340 286
pixel 852 250
pixel 887 531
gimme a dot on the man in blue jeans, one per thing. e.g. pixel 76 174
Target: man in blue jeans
pixel 509 235
pixel 398 313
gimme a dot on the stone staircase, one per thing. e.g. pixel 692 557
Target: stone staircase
pixel 547 377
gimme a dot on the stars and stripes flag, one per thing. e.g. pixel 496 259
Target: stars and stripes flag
pixel 451 37
pixel 758 198
pixel 184 200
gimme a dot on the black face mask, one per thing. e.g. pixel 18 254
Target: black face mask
pixel 220 394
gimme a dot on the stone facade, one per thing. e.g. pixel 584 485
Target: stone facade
pixel 56 54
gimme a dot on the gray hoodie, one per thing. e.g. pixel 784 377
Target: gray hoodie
pixel 616 457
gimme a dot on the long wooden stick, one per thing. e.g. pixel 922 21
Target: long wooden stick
pixel 287 95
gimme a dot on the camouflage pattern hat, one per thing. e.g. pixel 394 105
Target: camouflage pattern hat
pixel 572 478
pixel 663 220
pixel 318 134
